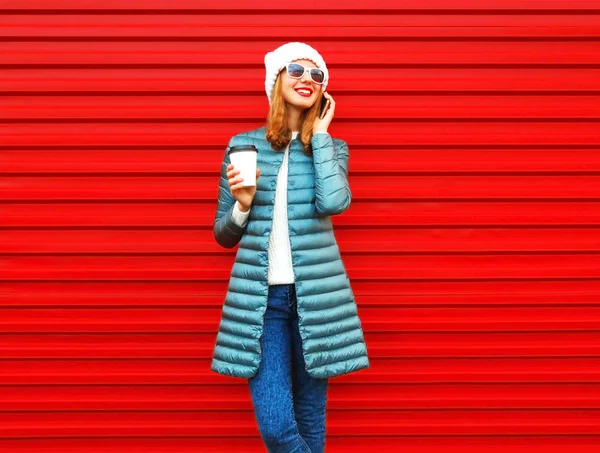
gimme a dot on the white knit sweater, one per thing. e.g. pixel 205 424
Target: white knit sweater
pixel 280 254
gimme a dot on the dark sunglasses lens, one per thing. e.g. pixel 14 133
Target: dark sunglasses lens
pixel 317 75
pixel 295 70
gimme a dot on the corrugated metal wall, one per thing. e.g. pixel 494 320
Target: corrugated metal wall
pixel 472 241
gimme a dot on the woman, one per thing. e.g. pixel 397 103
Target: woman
pixel 289 321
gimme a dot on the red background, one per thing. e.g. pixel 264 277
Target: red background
pixel 472 241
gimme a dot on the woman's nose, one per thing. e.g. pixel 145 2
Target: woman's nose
pixel 306 77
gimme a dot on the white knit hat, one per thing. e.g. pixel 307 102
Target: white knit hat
pixel 276 60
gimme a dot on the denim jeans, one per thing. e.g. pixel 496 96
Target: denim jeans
pixel 289 405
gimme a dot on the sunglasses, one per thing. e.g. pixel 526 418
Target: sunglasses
pixel 296 71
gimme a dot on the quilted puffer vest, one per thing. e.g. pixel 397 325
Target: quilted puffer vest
pixel 332 337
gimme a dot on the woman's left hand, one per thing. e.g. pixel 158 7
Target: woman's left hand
pixel 321 125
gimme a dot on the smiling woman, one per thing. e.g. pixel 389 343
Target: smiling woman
pixel 295 89
pixel 289 320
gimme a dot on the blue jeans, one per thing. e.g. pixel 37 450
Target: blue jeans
pixel 289 405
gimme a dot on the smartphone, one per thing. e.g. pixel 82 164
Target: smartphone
pixel 324 106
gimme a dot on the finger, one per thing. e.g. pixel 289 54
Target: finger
pixel 232 173
pixel 233 181
pixel 236 187
pixel 329 110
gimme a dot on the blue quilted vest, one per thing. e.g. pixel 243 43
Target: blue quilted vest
pixel 332 337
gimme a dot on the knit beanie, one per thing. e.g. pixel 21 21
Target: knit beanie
pixel 276 60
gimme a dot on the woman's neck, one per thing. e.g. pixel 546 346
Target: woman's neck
pixel 294 119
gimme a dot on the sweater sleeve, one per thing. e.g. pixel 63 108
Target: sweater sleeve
pixel 227 233
pixel 239 217
pixel 332 189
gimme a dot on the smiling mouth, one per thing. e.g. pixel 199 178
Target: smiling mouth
pixel 305 94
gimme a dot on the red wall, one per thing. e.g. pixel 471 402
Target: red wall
pixel 472 241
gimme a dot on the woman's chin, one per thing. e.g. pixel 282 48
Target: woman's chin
pixel 300 105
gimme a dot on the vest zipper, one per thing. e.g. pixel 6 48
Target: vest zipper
pixel 291 249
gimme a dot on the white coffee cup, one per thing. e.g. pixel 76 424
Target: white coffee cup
pixel 243 158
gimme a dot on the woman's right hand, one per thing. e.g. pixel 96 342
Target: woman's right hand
pixel 244 195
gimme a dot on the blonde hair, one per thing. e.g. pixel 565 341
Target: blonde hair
pixel 278 132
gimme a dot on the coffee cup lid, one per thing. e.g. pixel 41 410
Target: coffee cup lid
pixel 239 148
